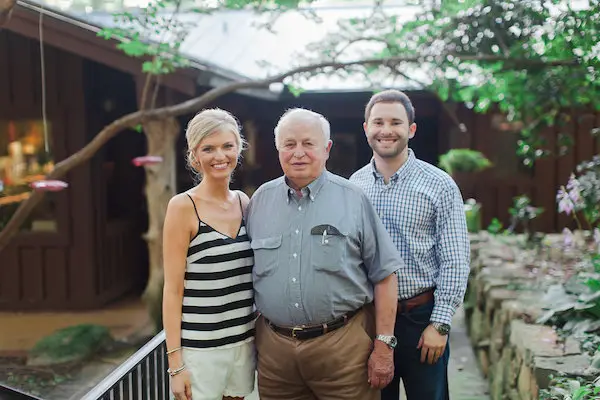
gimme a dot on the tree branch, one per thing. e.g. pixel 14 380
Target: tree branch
pixel 192 105
pixel 449 111
pixel 6 8
pixel 144 98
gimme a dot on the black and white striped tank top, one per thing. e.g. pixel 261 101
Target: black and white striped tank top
pixel 218 295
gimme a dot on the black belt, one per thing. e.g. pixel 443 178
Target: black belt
pixel 311 332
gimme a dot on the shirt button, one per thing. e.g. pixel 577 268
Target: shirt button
pixel 297 231
pixel 312 197
pixel 295 255
pixel 297 305
pixel 299 208
pixel 293 279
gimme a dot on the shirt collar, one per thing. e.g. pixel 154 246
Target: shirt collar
pixel 312 190
pixel 402 172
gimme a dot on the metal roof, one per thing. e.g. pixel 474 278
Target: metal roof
pixel 233 43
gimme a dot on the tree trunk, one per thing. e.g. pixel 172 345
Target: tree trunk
pixel 160 187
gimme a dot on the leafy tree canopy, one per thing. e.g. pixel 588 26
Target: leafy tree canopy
pixel 534 60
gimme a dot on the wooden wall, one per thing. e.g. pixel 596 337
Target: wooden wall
pixel 497 187
pixel 48 270
pixel 96 256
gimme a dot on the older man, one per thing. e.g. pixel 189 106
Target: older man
pixel 322 259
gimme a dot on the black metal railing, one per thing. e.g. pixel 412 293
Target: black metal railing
pixel 10 393
pixel 142 377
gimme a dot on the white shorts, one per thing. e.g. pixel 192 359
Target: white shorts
pixel 221 372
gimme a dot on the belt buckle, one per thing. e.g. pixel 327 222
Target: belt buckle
pixel 296 329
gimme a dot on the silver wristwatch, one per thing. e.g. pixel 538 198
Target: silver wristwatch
pixel 443 329
pixel 390 340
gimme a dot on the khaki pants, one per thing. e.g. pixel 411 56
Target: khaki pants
pixel 330 367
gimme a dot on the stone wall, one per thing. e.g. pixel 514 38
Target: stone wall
pixel 507 290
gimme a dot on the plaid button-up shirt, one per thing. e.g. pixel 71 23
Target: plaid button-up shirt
pixel 422 209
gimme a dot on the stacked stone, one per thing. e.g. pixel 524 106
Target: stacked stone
pixel 505 297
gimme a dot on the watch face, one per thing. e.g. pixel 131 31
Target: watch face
pixel 443 329
pixel 393 342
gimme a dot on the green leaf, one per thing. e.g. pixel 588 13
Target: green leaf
pixel 138 128
pixel 443 92
pixel 134 48
pixel 466 94
pixel 149 67
pixel 105 34
pixel 295 90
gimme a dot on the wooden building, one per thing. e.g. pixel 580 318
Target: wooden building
pixel 83 247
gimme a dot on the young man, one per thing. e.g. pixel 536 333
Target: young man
pixel 422 209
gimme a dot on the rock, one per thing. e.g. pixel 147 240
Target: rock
pixel 540 340
pixel 526 384
pixel 573 365
pixel 502 252
pixel 70 344
pixel 509 289
pixel 484 362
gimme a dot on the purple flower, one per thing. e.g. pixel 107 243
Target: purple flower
pixel 567 237
pixel 565 203
pixel 573 183
pixel 574 188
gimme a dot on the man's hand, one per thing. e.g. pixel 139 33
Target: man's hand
pixel 432 345
pixel 381 365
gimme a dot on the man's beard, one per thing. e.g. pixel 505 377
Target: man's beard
pixel 391 151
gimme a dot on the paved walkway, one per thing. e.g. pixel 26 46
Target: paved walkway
pixel 19 331
pixel 466 381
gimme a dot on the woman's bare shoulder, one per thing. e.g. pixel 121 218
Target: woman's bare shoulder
pixel 180 203
pixel 244 197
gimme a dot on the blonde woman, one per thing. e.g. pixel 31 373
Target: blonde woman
pixel 208 297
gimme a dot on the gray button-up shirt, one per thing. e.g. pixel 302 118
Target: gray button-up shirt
pixel 316 257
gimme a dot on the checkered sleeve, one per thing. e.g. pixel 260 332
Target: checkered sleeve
pixel 379 253
pixel 453 254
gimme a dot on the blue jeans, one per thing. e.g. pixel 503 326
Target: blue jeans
pixel 422 381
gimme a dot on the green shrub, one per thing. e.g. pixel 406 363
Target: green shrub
pixel 463 160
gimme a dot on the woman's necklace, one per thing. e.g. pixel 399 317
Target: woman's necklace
pixel 225 205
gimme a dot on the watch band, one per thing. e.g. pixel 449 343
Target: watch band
pixel 389 340
pixel 443 329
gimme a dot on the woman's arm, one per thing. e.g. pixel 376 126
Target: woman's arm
pixel 176 238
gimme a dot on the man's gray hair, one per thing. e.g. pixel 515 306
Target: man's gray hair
pixel 304 115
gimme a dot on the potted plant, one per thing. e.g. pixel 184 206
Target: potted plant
pixel 458 161
pixel 461 164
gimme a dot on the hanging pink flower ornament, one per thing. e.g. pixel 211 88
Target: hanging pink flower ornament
pixel 49 185
pixel 147 160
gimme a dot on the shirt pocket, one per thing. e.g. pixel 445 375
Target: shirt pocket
pixel 266 255
pixel 328 253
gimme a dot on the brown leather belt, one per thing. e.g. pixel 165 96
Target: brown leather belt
pixel 418 300
pixel 311 332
